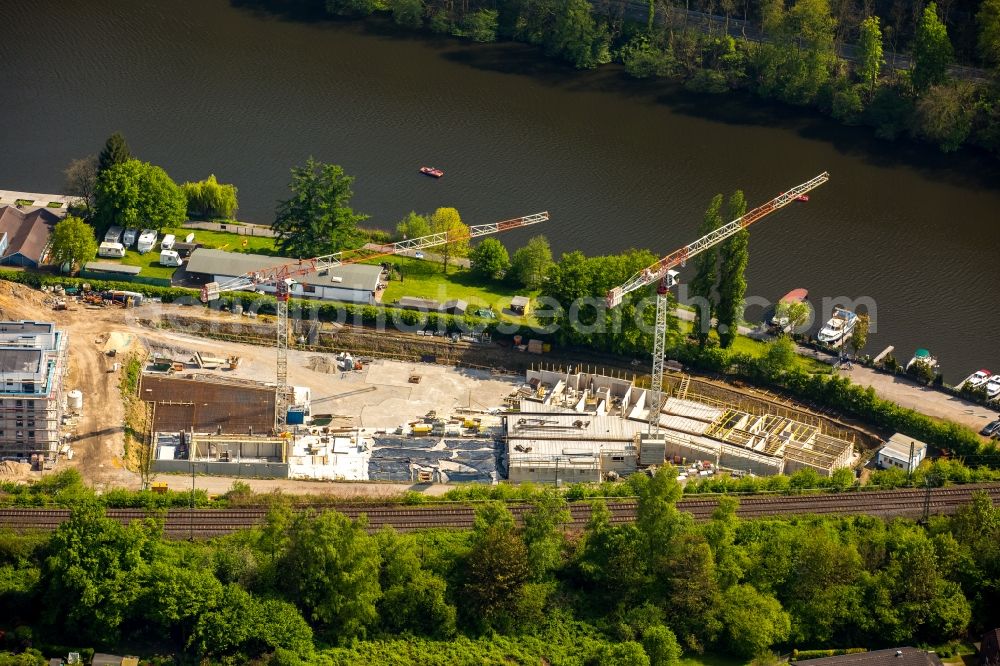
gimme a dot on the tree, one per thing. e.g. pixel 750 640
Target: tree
pixel 779 357
pixel 407 13
pixel 243 626
pixel 350 7
pixel 138 194
pixel 859 337
pixel 489 259
pixel 543 535
pixel 732 281
pixel 703 283
pixel 94 574
pixel 945 114
pixel 793 313
pixel 988 18
pixel 496 570
pixel 73 242
pixel 932 51
pixel 413 226
pixel 336 583
pixel 81 181
pixel 176 596
pixel 481 25
pixel 575 36
pixel 661 645
pixel 870 53
pixel 115 152
pixel 209 198
pixel 448 221
pixel 317 219
pixel 413 598
pixel 531 262
pixel 628 653
pixel 753 621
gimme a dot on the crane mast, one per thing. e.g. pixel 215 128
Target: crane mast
pixel 662 273
pixel 282 278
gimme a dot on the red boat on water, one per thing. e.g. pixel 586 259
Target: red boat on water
pixel 431 171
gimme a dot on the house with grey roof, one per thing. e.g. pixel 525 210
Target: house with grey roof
pixel 352 283
pixel 24 235
pixel 903 656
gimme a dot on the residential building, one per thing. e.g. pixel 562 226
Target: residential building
pixel 901 452
pixel 24 235
pixel 904 656
pixel 352 283
pixel 32 366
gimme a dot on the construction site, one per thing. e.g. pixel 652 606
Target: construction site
pixel 570 427
pixel 223 408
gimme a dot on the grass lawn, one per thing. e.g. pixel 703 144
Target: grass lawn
pixel 149 263
pixel 756 348
pixel 221 240
pixel 425 279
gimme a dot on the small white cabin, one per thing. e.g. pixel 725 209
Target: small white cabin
pixel 169 258
pixel 147 241
pixel 107 249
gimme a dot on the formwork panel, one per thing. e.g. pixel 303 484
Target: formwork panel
pixel 185 404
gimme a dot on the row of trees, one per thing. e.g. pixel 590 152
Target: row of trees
pixel 118 189
pixel 527 268
pixel 638 593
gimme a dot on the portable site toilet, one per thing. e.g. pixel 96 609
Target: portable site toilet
pixel 167 243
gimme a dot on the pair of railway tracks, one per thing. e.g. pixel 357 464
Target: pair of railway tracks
pixel 207 523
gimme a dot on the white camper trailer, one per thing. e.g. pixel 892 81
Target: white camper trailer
pixel 147 241
pixel 111 250
pixel 167 243
pixel 169 258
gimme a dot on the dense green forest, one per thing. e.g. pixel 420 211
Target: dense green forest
pixel 310 588
pixel 881 63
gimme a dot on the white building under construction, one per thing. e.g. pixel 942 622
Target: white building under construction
pixel 584 427
pixel 32 366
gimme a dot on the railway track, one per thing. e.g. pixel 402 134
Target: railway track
pixel 206 523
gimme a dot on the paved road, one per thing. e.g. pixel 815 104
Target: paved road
pixel 915 396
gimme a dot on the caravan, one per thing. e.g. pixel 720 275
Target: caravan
pixel 128 240
pixel 168 242
pixel 147 241
pixel 169 258
pixel 111 250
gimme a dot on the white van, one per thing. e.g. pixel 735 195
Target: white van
pixel 111 250
pixel 169 258
pixel 147 241
pixel 167 243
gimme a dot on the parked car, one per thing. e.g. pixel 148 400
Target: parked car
pixel 991 428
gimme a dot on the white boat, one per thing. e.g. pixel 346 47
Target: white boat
pixel 839 327
pixel 978 378
pixel 923 356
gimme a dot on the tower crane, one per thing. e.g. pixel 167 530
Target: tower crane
pixel 663 272
pixel 282 278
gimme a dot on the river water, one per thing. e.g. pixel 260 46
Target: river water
pixel 206 86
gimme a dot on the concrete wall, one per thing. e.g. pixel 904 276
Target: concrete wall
pixel 255 469
pixel 546 472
